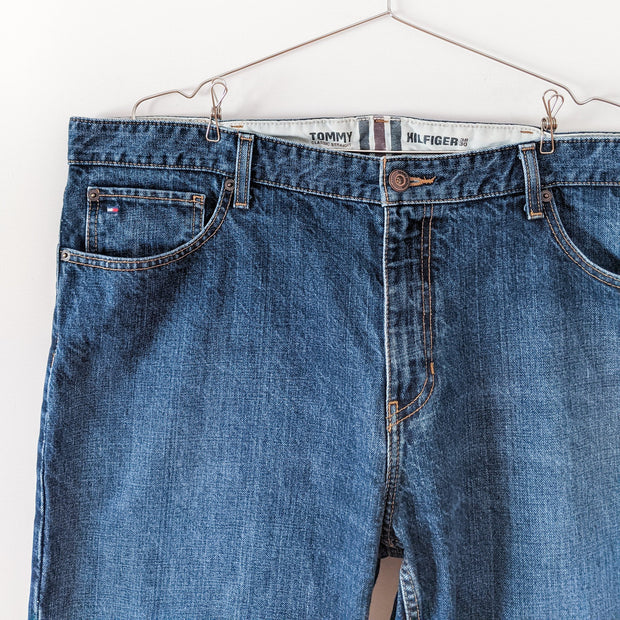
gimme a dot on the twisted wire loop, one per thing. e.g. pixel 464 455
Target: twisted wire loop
pixel 549 123
pixel 216 109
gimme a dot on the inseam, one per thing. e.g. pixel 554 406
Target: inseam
pixel 411 606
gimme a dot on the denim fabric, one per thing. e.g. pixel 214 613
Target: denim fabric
pixel 272 365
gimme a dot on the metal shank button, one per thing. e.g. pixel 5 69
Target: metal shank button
pixel 398 180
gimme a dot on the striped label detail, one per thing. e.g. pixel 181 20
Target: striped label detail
pixel 379 125
pixel 395 135
pixel 364 132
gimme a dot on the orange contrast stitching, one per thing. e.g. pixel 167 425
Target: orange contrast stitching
pixel 430 329
pixel 423 314
pixel 418 408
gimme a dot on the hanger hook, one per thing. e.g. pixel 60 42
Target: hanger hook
pixel 217 103
pixel 552 110
pixel 549 122
pixel 389 7
pixel 216 108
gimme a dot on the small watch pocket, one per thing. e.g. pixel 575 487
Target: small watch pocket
pixel 138 222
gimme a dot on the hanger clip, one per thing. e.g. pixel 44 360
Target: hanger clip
pixel 549 123
pixel 216 110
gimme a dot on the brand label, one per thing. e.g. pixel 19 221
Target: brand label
pixel 331 137
pixel 438 140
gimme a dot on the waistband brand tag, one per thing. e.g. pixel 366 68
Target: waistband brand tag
pixel 390 133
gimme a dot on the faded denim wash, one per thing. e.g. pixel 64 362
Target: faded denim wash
pixel 274 362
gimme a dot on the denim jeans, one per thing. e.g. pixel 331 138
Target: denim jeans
pixel 275 360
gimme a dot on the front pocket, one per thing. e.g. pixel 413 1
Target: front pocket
pixel 135 222
pixel 213 219
pixel 584 221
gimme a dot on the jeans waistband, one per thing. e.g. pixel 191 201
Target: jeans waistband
pixel 490 164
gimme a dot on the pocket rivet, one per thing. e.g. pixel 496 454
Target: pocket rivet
pixel 229 184
pixel 546 195
pixel 94 193
pixel 64 255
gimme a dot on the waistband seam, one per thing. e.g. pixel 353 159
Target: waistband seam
pixel 466 198
pixel 306 190
pixel 111 162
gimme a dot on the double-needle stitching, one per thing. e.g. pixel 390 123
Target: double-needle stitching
pixel 428 362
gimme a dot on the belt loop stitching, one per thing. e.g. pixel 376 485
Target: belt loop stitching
pixel 527 153
pixel 245 143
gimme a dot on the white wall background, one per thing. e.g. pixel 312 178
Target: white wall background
pixel 96 59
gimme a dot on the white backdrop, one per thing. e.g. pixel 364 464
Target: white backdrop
pixel 96 59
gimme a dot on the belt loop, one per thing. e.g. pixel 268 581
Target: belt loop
pixel 533 204
pixel 245 142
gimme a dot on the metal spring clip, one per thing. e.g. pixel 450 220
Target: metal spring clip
pixel 549 122
pixel 216 109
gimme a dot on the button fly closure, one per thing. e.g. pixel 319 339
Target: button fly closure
pixel 398 180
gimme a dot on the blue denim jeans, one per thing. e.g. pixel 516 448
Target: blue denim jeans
pixel 275 360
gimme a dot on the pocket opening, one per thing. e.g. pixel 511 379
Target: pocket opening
pixel 591 246
pixel 205 224
pixel 132 222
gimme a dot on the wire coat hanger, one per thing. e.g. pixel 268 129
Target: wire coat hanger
pixel 548 123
